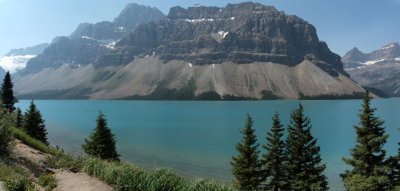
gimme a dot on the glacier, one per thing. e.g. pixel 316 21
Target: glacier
pixel 14 63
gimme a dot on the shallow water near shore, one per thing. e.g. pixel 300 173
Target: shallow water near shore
pixel 197 138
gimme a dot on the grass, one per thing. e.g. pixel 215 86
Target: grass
pixel 47 181
pixel 125 176
pixel 64 161
pixel 28 140
pixel 122 176
pixel 11 172
pixel 15 178
pixel 57 159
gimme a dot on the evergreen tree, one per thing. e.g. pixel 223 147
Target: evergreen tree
pixel 304 168
pixel 6 122
pixel 101 142
pixel 369 170
pixel 34 124
pixel 394 173
pixel 19 119
pixel 7 95
pixel 275 158
pixel 246 167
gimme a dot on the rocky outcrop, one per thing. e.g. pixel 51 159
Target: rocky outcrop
pixel 378 70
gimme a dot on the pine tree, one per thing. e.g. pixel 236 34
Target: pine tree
pixel 6 122
pixel 304 168
pixel 7 95
pixel 369 170
pixel 34 124
pixel 394 173
pixel 101 142
pixel 18 119
pixel 246 167
pixel 274 159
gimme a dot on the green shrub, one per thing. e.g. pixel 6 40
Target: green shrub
pixel 48 181
pixel 163 179
pixel 11 172
pixel 130 178
pixel 125 177
pixel 6 123
pixel 19 184
pixel 64 161
pixel 207 185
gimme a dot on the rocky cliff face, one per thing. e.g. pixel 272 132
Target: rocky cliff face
pixel 75 53
pixel 244 50
pixel 240 33
pixel 89 41
pixel 379 69
pixel 132 15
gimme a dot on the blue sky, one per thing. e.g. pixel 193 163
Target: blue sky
pixel 343 24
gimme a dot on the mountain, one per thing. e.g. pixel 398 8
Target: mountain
pixel 65 51
pixel 16 59
pixel 244 50
pixel 379 70
pixel 89 41
pixel 132 15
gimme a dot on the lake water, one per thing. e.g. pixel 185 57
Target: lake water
pixel 197 138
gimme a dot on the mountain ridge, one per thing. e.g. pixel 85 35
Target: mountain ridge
pixel 89 41
pixel 378 69
pixel 209 49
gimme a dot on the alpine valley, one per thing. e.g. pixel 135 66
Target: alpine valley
pixel 241 51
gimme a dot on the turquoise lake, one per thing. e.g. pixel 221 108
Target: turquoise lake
pixel 197 138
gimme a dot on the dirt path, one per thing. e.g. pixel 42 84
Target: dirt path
pixel 67 180
pixel 2 186
pixel 31 159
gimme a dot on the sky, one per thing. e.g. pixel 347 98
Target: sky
pixel 343 24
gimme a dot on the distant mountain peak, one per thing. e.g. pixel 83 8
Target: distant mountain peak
pixel 378 69
pixel 354 55
pixel 391 45
pixel 355 50
pixel 134 14
pixel 131 16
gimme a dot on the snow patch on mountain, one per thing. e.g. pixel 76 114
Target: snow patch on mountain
pixel 14 63
pixel 222 33
pixel 87 37
pixel 198 20
pixel 110 45
pixel 121 29
pixel 388 46
pixel 371 62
